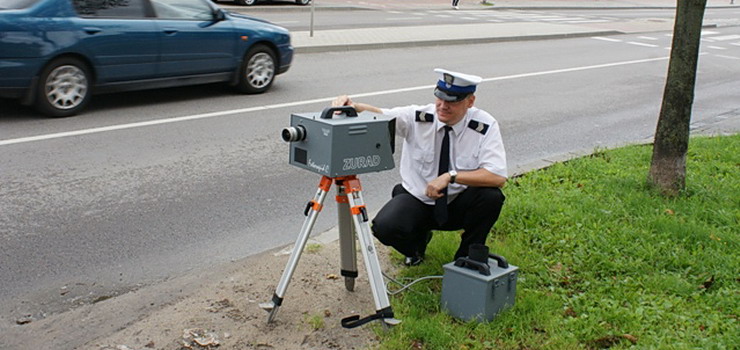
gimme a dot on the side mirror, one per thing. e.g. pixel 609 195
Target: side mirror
pixel 219 15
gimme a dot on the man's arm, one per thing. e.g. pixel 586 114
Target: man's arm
pixel 344 100
pixel 474 178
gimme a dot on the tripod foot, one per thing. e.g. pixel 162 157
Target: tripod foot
pixel 349 283
pixel 389 322
pixel 272 307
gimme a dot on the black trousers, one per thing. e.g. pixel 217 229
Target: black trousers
pixel 403 222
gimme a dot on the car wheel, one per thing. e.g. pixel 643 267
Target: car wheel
pixel 246 2
pixel 303 2
pixel 257 70
pixel 64 87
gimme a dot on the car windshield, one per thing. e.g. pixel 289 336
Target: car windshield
pixel 16 4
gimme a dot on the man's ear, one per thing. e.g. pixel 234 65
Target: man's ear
pixel 471 100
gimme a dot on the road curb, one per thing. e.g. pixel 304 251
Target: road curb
pixel 445 42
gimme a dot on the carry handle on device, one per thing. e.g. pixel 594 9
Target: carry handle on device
pixel 328 112
pixel 482 267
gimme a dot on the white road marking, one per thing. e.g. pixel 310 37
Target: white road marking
pixel 647 38
pixel 726 37
pixel 730 57
pixel 641 44
pixel 301 103
pixel 717 47
pixel 402 18
pixel 588 21
pixel 606 39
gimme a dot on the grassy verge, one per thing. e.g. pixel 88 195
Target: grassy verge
pixel 605 261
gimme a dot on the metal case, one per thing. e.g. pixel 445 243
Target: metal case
pixel 469 294
pixel 340 145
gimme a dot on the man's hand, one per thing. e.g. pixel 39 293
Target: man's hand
pixel 436 186
pixel 343 100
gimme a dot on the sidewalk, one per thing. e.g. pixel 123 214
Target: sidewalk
pixel 395 37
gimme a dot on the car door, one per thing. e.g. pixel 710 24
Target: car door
pixel 120 38
pixel 193 40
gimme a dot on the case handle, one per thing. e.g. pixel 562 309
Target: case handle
pixel 328 112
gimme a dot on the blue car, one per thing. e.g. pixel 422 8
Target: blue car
pixel 55 54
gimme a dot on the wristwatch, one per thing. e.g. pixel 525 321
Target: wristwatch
pixel 453 176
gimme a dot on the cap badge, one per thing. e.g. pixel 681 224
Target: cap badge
pixel 449 79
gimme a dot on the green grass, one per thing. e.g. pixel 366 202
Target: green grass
pixel 605 261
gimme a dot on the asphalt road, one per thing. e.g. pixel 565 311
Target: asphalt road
pixel 91 215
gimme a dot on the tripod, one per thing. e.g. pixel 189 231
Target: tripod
pixel 353 219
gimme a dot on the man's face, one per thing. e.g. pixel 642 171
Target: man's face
pixel 452 112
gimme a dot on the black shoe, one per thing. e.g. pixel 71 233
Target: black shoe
pixel 413 260
pixel 418 257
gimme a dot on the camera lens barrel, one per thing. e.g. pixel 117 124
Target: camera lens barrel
pixel 294 133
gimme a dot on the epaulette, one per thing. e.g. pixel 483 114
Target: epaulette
pixel 422 116
pixel 478 126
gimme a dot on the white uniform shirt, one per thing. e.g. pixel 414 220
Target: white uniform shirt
pixel 475 142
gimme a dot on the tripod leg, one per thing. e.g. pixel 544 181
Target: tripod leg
pixel 372 264
pixel 347 247
pixel 312 211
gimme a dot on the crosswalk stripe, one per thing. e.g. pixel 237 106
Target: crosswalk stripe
pixel 606 39
pixel 726 37
pixel 641 44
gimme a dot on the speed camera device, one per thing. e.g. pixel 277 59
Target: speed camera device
pixel 340 142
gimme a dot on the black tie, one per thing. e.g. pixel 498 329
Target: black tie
pixel 440 206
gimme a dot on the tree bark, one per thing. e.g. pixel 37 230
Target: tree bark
pixel 668 166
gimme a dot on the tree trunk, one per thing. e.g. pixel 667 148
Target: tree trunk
pixel 668 166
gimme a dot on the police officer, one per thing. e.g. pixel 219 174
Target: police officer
pixel 453 166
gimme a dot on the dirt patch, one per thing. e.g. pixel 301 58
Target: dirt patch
pixel 225 313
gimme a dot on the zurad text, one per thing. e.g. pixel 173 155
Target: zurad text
pixel 361 162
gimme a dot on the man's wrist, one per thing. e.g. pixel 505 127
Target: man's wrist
pixel 453 176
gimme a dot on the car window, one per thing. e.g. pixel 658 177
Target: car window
pixel 16 4
pixel 183 9
pixel 110 8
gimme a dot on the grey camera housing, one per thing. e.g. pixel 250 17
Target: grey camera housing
pixel 340 145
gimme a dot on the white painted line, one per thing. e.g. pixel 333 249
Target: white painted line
pixel 402 18
pixel 562 19
pixel 469 18
pixel 286 22
pixel 708 32
pixel 717 47
pixel 606 39
pixel 442 16
pixel 641 44
pixel 735 44
pixel 730 57
pixel 301 103
pixel 647 37
pixel 726 37
pixel 588 21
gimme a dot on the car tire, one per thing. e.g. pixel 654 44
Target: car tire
pixel 246 2
pixel 63 87
pixel 258 70
pixel 303 2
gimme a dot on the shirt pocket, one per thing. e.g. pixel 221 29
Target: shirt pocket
pixel 424 162
pixel 468 162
